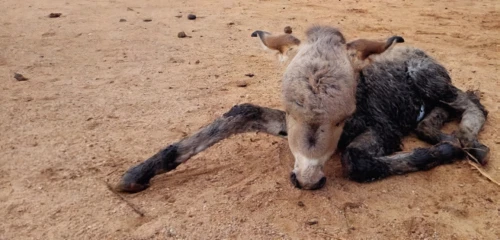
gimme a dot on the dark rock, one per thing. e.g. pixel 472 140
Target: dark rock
pixel 20 77
pixel 55 15
pixel 312 221
pixel 288 29
pixel 181 35
pixel 191 16
pixel 241 84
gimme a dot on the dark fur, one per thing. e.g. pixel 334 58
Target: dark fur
pixel 389 96
pixel 379 123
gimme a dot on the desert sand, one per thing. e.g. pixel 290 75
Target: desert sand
pixel 103 94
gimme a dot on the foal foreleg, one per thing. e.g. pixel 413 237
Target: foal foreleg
pixel 241 118
pixel 429 129
pixel 366 160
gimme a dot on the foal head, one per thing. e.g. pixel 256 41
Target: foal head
pixel 319 93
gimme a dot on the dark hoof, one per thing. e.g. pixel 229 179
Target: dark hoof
pixel 131 187
pixel 480 152
pixel 131 182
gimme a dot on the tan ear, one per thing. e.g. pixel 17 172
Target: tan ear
pixel 280 43
pixel 361 49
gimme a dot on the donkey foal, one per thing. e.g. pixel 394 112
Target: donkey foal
pixel 361 97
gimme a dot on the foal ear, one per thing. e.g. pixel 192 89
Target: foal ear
pixel 361 49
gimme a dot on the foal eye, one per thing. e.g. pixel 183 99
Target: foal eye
pixel 299 104
pixel 340 122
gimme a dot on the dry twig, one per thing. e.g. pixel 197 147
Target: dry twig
pixel 474 163
pixel 136 210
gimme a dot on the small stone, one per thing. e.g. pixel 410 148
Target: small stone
pixel 312 221
pixel 171 232
pixel 181 34
pixel 123 20
pixel 230 24
pixel 130 9
pixel 147 20
pixel 20 77
pixel 55 15
pixel 288 30
pixel 241 84
pixel 197 62
pixel 191 16
pixel 301 204
pixel 178 16
pixel 249 74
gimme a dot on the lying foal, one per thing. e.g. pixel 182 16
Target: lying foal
pixel 362 97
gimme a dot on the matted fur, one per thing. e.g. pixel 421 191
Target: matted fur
pixel 320 79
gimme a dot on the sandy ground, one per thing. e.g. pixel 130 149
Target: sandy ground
pixel 103 95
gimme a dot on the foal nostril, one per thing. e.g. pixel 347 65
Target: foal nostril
pixel 320 184
pixel 294 180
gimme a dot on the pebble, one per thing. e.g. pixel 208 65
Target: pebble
pixel 249 74
pixel 312 221
pixel 20 77
pixel 288 29
pixel 191 16
pixel 181 35
pixel 171 233
pixel 55 15
pixel 241 84
pixel 147 20
pixel 301 204
pixel 123 20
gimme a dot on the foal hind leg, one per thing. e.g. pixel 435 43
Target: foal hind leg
pixel 241 118
pixel 365 159
pixel 473 117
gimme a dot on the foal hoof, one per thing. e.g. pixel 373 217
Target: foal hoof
pixel 131 187
pixel 480 152
pixel 132 183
